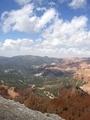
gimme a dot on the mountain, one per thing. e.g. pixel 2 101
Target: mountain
pixel 52 85
pixel 34 64
pixel 46 74
pixel 22 66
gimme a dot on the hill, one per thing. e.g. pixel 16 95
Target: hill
pixel 53 85
pixel 70 103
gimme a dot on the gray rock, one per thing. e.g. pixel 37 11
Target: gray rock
pixel 10 110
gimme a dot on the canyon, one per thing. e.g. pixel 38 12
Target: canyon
pixel 51 85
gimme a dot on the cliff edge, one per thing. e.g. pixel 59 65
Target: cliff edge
pixel 10 110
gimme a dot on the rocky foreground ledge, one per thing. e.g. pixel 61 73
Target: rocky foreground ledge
pixel 10 110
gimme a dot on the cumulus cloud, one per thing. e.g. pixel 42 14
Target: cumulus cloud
pixel 25 20
pixel 75 4
pixel 58 38
pixel 26 46
pixel 46 18
pixel 61 39
pixel 18 19
pixel 65 33
pixel 68 38
pixel 10 44
pixel 23 46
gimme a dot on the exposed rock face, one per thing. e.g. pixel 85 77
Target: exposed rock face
pixel 8 92
pixel 12 94
pixel 10 110
pixel 62 67
pixel 71 103
pixel 55 69
pixel 86 88
pixel 83 74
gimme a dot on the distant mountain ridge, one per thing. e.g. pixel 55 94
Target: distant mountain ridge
pixel 28 67
pixel 26 62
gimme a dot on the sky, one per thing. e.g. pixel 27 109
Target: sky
pixel 54 28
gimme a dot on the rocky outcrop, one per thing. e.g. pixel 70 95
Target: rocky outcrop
pixel 86 88
pixel 12 93
pixel 8 92
pixel 71 103
pixel 55 69
pixel 10 110
pixel 83 75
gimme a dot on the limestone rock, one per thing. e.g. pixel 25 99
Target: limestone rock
pixel 10 110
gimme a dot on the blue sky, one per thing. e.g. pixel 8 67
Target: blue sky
pixel 54 28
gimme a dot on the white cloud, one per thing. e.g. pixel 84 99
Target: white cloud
pixel 65 33
pixel 18 20
pixel 25 20
pixel 68 38
pixel 22 2
pixel 59 38
pixel 57 45
pixel 46 18
pixel 75 4
pixel 10 44
pixel 41 9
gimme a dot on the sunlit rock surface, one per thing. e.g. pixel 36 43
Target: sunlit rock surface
pixel 10 110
